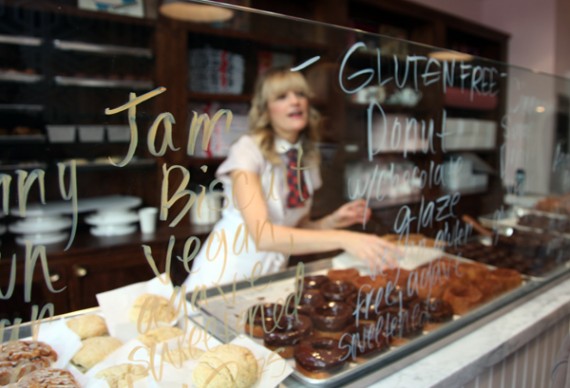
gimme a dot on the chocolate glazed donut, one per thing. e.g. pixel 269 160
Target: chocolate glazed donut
pixel 330 319
pixel 314 282
pixel 310 299
pixel 362 340
pixel 317 357
pixel 260 318
pixel 286 333
pixel 338 290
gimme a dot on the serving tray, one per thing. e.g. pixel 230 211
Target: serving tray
pixel 222 308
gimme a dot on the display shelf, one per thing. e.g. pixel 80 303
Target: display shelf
pixel 102 49
pixel 101 83
pixel 14 76
pixel 20 40
pixel 22 166
pixel 29 108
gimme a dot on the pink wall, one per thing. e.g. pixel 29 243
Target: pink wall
pixel 533 26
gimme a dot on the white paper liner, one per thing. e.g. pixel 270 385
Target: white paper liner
pixel 62 339
pixel 116 304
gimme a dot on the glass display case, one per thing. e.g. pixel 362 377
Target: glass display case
pixel 460 158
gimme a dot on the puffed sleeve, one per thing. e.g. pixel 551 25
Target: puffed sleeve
pixel 244 154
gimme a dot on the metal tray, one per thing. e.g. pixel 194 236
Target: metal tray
pixel 221 309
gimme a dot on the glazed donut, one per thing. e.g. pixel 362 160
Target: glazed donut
pixel 404 323
pixel 363 340
pixel 307 303
pixel 314 282
pixel 437 312
pixel 366 305
pixel 508 278
pixel 472 271
pixel 374 282
pixel 338 290
pixel 318 357
pixel 462 297
pixel 259 318
pixel 331 319
pixel 347 274
pixel 286 333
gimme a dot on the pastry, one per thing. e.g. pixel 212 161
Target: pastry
pixel 86 326
pixel 18 358
pixel 287 333
pixel 225 366
pixel 160 334
pixel 152 308
pixel 331 319
pixel 48 378
pixel 318 357
pixel 94 350
pixel 122 375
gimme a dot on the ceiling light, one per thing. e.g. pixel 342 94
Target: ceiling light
pixel 194 12
pixel 449 55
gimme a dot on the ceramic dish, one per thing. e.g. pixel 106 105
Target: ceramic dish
pixel 41 238
pixel 111 218
pixel 113 230
pixel 37 225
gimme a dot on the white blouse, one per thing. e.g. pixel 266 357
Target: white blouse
pixel 229 253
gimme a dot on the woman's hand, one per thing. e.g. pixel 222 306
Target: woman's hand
pixel 374 250
pixel 349 214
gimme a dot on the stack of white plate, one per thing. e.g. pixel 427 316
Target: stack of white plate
pixel 116 222
pixel 41 230
pixel 2 226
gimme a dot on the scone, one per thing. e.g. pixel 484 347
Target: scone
pixel 119 376
pixel 152 308
pixel 226 366
pixel 94 350
pixel 87 326
pixel 48 378
pixel 160 334
pixel 18 358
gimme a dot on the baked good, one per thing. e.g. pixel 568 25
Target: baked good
pixel 404 323
pixel 374 282
pixel 94 350
pixel 307 302
pixel 366 305
pixel 48 378
pixel 287 333
pixel 225 366
pixel 507 278
pixel 259 318
pixel 152 308
pixel 331 319
pixel 363 340
pixel 318 357
pixel 159 334
pixel 18 358
pixel 86 326
pixel 122 375
pixel 462 297
pixel 338 290
pixel 314 282
pixel 347 274
pixel 437 311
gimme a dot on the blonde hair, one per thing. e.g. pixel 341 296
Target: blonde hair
pixel 271 84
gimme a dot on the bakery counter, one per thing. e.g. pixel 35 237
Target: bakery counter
pixel 518 332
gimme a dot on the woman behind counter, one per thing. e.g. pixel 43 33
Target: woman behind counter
pixel 270 176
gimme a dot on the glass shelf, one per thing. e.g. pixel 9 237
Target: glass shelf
pixel 102 49
pixel 20 40
pixel 102 83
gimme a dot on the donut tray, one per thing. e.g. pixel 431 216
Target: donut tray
pixel 222 310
